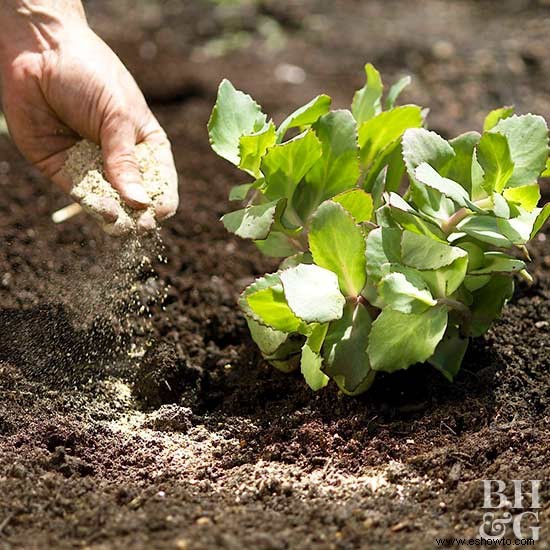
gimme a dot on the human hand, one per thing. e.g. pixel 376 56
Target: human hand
pixel 69 84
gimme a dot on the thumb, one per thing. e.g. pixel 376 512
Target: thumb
pixel 121 165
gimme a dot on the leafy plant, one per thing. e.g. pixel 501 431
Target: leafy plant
pixel 372 280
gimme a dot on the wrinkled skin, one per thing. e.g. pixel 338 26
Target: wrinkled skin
pixel 73 85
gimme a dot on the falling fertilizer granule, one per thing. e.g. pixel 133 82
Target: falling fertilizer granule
pixel 96 195
pixel 108 304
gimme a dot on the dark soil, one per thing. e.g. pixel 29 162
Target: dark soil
pixel 199 444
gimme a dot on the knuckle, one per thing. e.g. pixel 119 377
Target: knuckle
pixel 122 160
pixel 118 109
pixel 125 158
pixel 27 66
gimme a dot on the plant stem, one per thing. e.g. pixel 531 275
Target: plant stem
pixel 374 312
pixel 449 225
pixel 297 242
pixel 370 225
pixel 456 305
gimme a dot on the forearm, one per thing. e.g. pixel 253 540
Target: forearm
pixel 35 25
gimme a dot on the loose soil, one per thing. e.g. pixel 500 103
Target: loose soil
pixel 190 441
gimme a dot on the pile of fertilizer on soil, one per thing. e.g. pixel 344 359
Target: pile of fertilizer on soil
pixel 90 187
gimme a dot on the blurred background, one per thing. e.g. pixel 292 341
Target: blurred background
pixel 465 56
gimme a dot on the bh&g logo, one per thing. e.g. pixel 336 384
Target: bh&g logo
pixel 524 496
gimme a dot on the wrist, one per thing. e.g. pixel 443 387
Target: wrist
pixel 36 26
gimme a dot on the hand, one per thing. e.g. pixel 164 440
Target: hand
pixel 77 87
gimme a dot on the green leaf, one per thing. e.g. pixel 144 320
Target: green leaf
pixel 431 178
pixel 495 262
pixel 362 388
pixel 476 255
pixel 277 245
pixel 383 249
pixel 338 168
pixel 395 170
pixel 286 357
pixel 254 222
pixel 285 165
pixel 528 141
pixel 367 102
pixel 384 217
pixel 500 232
pixel 488 303
pixel 520 228
pixel 357 202
pixel 344 350
pixel 317 337
pixel 500 206
pixel 546 173
pixel 449 354
pixel 494 117
pixel 240 192
pixel 478 191
pixel 542 216
pixel 265 302
pixel 287 365
pixel 312 293
pixel 337 243
pixel 493 155
pixel 409 218
pixel 395 91
pixel 312 361
pixel 405 292
pixel 306 115
pixel 266 338
pixel 421 252
pixel 378 188
pixel 253 147
pixel 235 114
pixel 379 136
pixel 295 260
pixel 443 267
pixel 398 340
pixel 446 280
pixel 526 196
pixel 310 365
pixel 475 282
pixel 422 146
pixel 459 169
pixel 485 229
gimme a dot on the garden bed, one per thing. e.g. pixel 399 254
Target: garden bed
pixel 199 444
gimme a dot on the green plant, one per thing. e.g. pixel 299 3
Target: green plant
pixel 372 280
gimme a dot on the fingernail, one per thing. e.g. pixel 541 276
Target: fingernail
pixel 146 223
pixel 137 194
pixel 109 210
